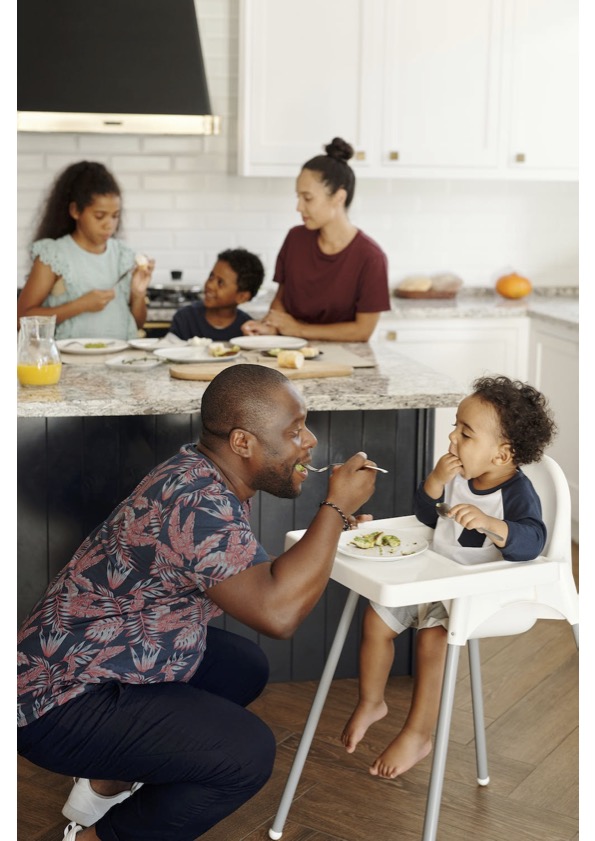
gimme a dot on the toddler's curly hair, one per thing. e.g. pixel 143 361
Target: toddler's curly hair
pixel 525 417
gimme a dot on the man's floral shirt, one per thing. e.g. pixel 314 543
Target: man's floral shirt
pixel 131 605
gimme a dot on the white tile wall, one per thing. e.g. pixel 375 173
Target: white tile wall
pixel 183 201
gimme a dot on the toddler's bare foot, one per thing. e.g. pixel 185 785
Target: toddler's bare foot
pixel 402 754
pixel 365 714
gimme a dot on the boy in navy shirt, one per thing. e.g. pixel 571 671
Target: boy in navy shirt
pixel 503 424
pixel 235 278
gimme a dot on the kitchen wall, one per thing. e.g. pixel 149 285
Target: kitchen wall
pixel 183 202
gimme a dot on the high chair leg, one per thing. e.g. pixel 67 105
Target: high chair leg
pixel 276 831
pixel 441 744
pixel 481 753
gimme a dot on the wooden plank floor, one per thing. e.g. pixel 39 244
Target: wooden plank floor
pixel 531 709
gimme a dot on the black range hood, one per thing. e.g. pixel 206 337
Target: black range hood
pixel 113 66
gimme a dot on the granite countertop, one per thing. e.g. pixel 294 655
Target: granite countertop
pixel 561 306
pixel 85 390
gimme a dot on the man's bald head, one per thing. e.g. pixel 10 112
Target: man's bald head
pixel 240 397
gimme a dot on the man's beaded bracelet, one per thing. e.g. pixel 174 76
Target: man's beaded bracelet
pixel 346 523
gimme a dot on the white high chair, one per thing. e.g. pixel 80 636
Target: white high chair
pixel 491 599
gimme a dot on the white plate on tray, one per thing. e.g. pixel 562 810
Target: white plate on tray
pixel 191 354
pixel 144 344
pixel 411 544
pixel 139 363
pixel 268 342
pixel 89 346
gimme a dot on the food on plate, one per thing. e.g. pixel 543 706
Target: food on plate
pixel 135 360
pixel 199 341
pixel 218 349
pixel 310 352
pixel 375 540
pixel 290 359
pixel 513 285
pixel 141 261
pixel 95 344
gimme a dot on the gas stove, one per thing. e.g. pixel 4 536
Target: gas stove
pixel 164 299
pixel 166 295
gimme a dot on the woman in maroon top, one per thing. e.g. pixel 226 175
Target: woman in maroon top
pixel 333 278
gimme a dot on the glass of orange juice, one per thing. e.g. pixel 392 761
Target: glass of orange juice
pixel 38 359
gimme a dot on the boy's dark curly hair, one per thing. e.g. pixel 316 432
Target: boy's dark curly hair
pixel 248 268
pixel 525 417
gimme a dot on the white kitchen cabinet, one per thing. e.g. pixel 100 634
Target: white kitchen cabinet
pixel 541 40
pixel 461 348
pixel 301 80
pixel 440 98
pixel 468 88
pixel 554 370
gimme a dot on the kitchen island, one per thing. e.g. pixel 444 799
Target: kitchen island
pixel 85 443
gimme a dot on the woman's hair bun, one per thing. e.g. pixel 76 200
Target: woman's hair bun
pixel 339 149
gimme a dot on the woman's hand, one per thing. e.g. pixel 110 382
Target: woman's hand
pixel 283 323
pixel 257 328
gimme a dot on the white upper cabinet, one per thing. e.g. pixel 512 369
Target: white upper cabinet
pixel 301 79
pixel 421 88
pixel 542 45
pixel 441 84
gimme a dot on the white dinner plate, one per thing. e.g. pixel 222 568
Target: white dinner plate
pixel 411 544
pixel 191 354
pixel 89 346
pixel 144 344
pixel 139 363
pixel 268 342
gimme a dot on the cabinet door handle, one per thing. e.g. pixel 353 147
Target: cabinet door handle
pixel 393 156
pixel 360 155
pixel 520 158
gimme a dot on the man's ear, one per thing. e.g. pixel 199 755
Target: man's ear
pixel 242 442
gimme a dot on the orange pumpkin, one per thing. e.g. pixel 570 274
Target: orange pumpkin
pixel 513 285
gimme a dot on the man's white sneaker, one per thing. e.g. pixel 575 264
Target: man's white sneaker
pixel 86 806
pixel 71 831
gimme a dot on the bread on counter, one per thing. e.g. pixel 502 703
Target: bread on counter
pixel 444 285
pixel 290 359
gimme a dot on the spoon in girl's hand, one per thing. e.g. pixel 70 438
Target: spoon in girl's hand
pixel 442 508
pixel 338 464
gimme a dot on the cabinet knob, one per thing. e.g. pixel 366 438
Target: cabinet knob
pixel 360 156
pixel 391 335
pixel 520 158
pixel 393 156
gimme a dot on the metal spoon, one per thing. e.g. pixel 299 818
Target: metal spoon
pixel 442 508
pixel 338 464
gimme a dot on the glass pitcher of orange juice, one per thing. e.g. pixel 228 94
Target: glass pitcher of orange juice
pixel 38 359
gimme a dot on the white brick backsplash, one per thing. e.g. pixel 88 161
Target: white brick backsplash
pixel 141 163
pixel 184 202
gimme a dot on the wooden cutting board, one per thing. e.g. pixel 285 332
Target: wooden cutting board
pixel 311 369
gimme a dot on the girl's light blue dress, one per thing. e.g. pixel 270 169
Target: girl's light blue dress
pixel 79 272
